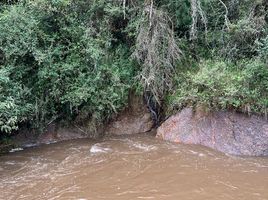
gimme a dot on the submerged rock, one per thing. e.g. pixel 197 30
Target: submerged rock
pixel 228 132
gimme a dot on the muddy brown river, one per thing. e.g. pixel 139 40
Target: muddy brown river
pixel 136 167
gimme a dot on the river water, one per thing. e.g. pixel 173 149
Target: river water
pixel 133 167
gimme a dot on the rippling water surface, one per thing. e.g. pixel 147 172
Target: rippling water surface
pixel 139 167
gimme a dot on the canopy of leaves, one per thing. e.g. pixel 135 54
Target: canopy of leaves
pixel 58 61
pixel 77 59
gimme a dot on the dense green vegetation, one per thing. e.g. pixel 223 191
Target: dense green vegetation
pixel 77 59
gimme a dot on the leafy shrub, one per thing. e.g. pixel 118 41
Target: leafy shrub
pixel 243 37
pixel 263 49
pixel 221 85
pixel 14 108
pixel 57 63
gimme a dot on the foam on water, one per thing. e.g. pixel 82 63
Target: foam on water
pixel 144 147
pixel 16 149
pixel 96 148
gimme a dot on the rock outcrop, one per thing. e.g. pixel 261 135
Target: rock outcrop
pixel 228 132
pixel 135 119
pixel 53 133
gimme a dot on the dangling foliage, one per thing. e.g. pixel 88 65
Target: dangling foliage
pixel 157 52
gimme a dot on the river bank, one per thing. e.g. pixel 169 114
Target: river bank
pixel 226 131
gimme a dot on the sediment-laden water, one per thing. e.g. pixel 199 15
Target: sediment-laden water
pixel 139 167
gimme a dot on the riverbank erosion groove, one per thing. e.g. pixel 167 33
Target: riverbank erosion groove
pixel 229 132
